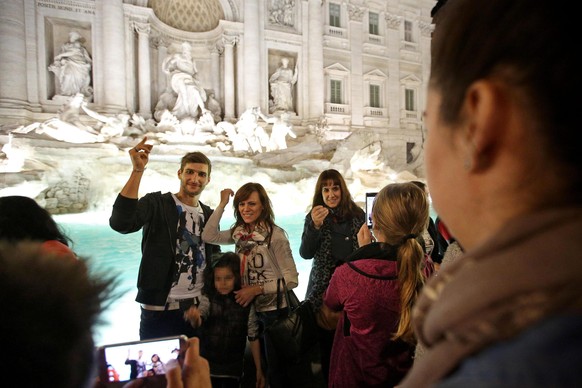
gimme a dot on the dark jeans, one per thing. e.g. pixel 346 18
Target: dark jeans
pixel 156 324
pixel 280 372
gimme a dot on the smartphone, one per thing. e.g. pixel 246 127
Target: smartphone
pixel 369 202
pixel 126 361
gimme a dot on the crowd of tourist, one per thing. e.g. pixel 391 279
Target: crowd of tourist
pixel 503 309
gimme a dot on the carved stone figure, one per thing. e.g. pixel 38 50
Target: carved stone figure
pixel 183 79
pixel 248 127
pixel 213 106
pixel 282 82
pixel 72 68
pixel 281 128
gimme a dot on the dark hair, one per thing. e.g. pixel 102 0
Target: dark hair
pixel 347 207
pixel 53 304
pixel 526 44
pixel 21 218
pixel 196 157
pixel 226 260
pixel 267 216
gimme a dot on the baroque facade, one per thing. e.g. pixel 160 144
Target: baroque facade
pixel 360 66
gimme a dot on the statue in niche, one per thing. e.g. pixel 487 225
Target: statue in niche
pixel 72 68
pixel 282 82
pixel 183 79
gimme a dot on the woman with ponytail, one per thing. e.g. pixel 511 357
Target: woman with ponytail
pixel 375 290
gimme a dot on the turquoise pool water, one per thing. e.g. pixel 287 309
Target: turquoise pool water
pixel 118 254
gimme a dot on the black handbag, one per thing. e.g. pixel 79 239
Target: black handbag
pixel 294 333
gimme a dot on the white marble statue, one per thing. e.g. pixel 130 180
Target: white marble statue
pixel 282 82
pixel 213 106
pixel 183 78
pixel 109 126
pixel 248 127
pixel 281 128
pixel 238 142
pixel 72 68
pixel 282 12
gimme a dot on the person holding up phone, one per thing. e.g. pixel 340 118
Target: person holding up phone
pixel 330 234
pixel 226 325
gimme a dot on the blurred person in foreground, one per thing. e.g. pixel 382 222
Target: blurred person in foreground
pixel 503 172
pixel 51 308
pixel 22 218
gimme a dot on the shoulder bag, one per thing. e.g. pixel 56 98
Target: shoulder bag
pixel 294 333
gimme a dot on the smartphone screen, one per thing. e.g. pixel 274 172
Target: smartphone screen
pixel 130 360
pixel 369 202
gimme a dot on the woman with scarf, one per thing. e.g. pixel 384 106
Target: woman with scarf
pixel 330 234
pixel 503 169
pixel 375 290
pixel 259 241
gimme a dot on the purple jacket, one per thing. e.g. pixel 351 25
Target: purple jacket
pixel 368 292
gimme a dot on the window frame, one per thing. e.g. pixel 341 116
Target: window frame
pixel 335 20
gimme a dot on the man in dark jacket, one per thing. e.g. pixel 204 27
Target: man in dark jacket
pixel 173 256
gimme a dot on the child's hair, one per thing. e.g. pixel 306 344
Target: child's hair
pixel 400 211
pixel 226 260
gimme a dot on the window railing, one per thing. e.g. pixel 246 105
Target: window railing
pixel 375 112
pixel 337 108
pixel 376 39
pixel 336 31
pixel 410 46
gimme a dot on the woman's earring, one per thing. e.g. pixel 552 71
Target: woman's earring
pixel 467 164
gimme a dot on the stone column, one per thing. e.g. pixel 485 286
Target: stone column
pixel 13 52
pixel 394 98
pixel 215 70
pixel 144 70
pixel 252 54
pixel 114 56
pixel 315 61
pixel 356 15
pixel 162 54
pixel 229 88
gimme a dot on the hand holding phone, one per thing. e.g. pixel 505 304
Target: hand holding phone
pixel 128 361
pixel 365 236
pixel 196 371
pixel 369 203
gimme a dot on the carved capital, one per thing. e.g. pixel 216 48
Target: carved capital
pixel 356 14
pixel 216 47
pixel 392 20
pixel 142 28
pixel 426 29
pixel 229 40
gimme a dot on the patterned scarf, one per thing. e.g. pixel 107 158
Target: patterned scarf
pixel 528 273
pixel 325 263
pixel 246 243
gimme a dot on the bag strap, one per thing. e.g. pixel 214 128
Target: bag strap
pixel 287 296
pixel 280 278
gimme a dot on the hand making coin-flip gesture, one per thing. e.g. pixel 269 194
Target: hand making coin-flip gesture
pixel 140 155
